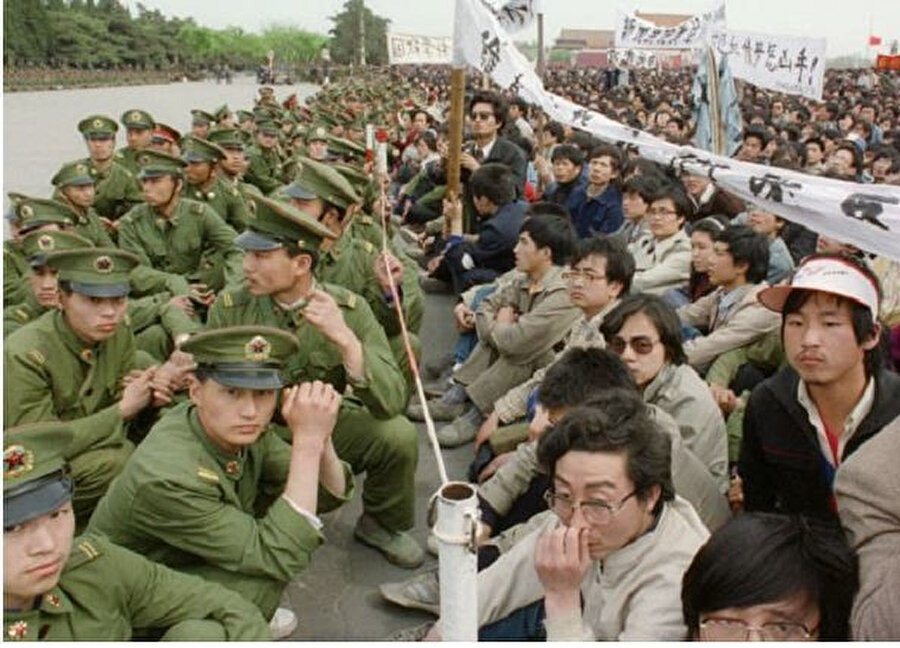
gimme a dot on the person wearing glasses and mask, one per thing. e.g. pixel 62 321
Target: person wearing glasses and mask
pixel 644 331
pixel 662 255
pixel 608 563
pixel 771 577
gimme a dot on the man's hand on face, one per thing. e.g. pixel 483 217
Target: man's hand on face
pixel 382 265
pixel 561 559
pixel 311 411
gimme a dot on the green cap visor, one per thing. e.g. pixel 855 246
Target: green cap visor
pixel 245 375
pixel 99 290
pixel 254 241
pixel 36 498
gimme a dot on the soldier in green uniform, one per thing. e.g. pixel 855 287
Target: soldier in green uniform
pixel 76 187
pixel 139 127
pixel 212 491
pixel 201 122
pixel 203 183
pixel 60 588
pixel 355 263
pixel 340 342
pixel 183 245
pixel 70 364
pixel 165 139
pixel 117 188
pixel 224 117
pixel 27 215
pixel 246 126
pixel 317 143
pixel 265 170
pixel 43 285
pixel 233 165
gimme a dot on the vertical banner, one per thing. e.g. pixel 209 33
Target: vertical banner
pixel 789 64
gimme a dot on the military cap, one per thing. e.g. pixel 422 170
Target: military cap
pixel 299 130
pixel 73 173
pixel 98 125
pixel 274 224
pixel 195 149
pixel 37 245
pixel 201 117
pixel 137 119
pixel 326 183
pixel 165 133
pixel 153 164
pixel 355 176
pixel 345 146
pixel 268 126
pixel 266 91
pixel 317 133
pixel 227 138
pixel 222 112
pixel 261 113
pixel 34 212
pixel 246 357
pixel 243 115
pixel 97 272
pixel 36 479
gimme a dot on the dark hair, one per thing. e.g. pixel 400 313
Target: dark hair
pixel 854 151
pixel 580 374
pixel 429 139
pixel 556 129
pixel 567 152
pixel 496 101
pixel 607 150
pixel 551 231
pixel 759 558
pixel 642 185
pixel 584 141
pixel 676 193
pixel 746 246
pixel 758 133
pixel 615 421
pixel 548 208
pixel 659 312
pixel 520 103
pixel 495 182
pixel 619 262
pixel 862 319
pixel 711 225
pixel 294 251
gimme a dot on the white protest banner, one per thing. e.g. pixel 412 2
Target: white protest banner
pixel 405 49
pixel 867 216
pixel 634 58
pixel 789 64
pixel 636 33
pixel 515 15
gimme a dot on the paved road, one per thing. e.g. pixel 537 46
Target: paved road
pixel 338 597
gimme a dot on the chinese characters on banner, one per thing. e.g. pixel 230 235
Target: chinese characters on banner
pixel 405 49
pixel 793 65
pixel 634 58
pixel 867 216
pixel 636 33
pixel 514 15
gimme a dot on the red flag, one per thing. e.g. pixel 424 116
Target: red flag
pixel 874 40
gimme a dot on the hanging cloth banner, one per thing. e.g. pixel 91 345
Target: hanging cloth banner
pixel 636 33
pixel 515 15
pixel 643 59
pixel 789 64
pixel 406 49
pixel 867 216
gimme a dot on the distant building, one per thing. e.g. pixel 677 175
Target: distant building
pixel 589 47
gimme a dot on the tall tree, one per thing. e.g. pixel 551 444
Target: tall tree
pixel 344 45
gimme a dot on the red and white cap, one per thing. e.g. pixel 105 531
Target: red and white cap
pixel 827 274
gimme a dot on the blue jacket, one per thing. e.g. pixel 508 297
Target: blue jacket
pixel 600 214
pixel 497 236
pixel 566 195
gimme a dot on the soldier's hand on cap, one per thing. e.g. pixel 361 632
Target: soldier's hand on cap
pixel 137 394
pixel 381 264
pixel 311 410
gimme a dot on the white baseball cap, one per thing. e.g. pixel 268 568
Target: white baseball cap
pixel 828 274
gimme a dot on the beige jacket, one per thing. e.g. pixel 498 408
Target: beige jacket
pixel 691 477
pixel 634 594
pixel 746 321
pixel 868 496
pixel 680 392
pixel 584 333
pixel 660 265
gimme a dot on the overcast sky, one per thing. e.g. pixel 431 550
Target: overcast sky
pixel 845 24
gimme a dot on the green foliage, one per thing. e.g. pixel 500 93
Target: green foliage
pixel 344 45
pixel 103 34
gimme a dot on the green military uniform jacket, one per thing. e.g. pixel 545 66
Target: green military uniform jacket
pixel 225 198
pixel 106 591
pixel 265 170
pixel 88 224
pixel 382 390
pixel 57 376
pixel 349 264
pixel 18 315
pixel 127 157
pixel 182 249
pixel 117 190
pixel 183 502
pixel 15 274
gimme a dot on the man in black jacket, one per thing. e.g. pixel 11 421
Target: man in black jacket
pixel 804 421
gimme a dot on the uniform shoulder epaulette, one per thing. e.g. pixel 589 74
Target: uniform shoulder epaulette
pixel 342 296
pixel 232 298
pixel 367 246
pixel 37 356
pixel 207 475
pixel 366 220
pixel 127 171
pixel 197 208
pixel 22 315
pixel 85 550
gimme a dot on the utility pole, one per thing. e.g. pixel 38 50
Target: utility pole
pixel 362 33
pixel 540 44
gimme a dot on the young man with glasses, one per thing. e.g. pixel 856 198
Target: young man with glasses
pixel 663 255
pixel 488 114
pixel 608 563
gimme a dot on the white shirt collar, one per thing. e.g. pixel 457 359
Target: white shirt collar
pixel 860 411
